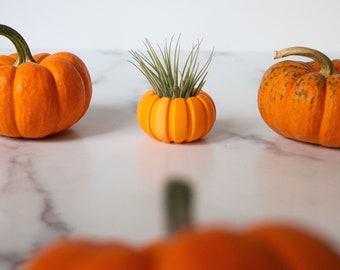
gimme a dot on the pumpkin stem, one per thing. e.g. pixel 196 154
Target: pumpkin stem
pixel 178 205
pixel 327 66
pixel 24 53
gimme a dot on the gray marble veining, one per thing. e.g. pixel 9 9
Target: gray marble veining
pixel 104 176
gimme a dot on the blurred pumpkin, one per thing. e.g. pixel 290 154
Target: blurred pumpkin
pixel 43 94
pixel 81 254
pixel 294 248
pixel 268 247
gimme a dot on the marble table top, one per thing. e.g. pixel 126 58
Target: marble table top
pixel 104 177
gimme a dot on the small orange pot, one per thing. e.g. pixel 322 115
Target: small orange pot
pixel 176 120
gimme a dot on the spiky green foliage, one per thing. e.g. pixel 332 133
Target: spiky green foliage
pixel 162 70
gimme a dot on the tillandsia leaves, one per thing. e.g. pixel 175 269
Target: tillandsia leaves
pixel 162 69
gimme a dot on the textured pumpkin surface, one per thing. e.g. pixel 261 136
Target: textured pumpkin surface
pixel 43 98
pixel 176 120
pixel 298 102
pixel 295 249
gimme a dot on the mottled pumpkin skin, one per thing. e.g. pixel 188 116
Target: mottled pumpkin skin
pixel 43 98
pixel 176 120
pixel 299 103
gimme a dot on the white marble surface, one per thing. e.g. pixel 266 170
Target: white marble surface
pixel 104 176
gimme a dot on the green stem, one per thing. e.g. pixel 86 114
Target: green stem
pixel 24 53
pixel 327 66
pixel 178 206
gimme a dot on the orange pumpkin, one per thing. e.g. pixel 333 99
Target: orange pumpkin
pixel 79 254
pixel 301 100
pixel 176 120
pixel 176 109
pixel 205 249
pixel 294 248
pixel 40 95
pixel 267 247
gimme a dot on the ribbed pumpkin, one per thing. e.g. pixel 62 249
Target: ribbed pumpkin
pixel 176 120
pixel 301 100
pixel 176 109
pixel 267 247
pixel 40 95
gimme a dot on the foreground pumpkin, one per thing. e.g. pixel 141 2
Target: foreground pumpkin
pixel 301 100
pixel 43 94
pixel 80 254
pixel 176 109
pixel 266 247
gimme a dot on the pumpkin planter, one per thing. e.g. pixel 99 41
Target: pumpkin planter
pixel 43 94
pixel 267 247
pixel 301 100
pixel 176 120
pixel 176 109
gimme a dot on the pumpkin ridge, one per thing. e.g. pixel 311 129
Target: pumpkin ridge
pixel 159 119
pixel 9 106
pixel 189 121
pixel 272 114
pixel 197 118
pixel 286 129
pixel 281 122
pixel 80 66
pixel 40 57
pixel 305 121
pixel 71 104
pixel 202 97
pixel 207 118
pixel 30 111
pixel 321 111
pixel 266 87
pixel 6 60
pixel 145 107
pixel 178 122
pixel 190 130
pixel 14 113
pixel 329 117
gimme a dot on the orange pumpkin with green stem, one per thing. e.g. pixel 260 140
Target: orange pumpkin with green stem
pixel 188 247
pixel 43 94
pixel 176 109
pixel 301 100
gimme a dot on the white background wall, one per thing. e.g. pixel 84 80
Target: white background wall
pixel 124 24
